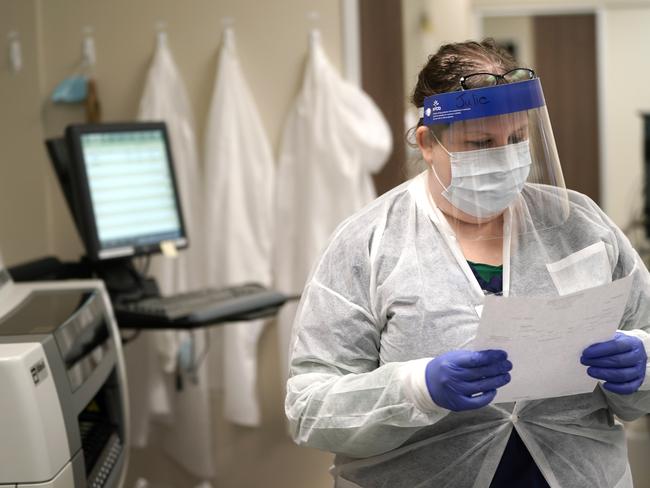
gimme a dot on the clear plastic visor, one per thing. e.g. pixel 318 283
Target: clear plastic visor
pixel 498 174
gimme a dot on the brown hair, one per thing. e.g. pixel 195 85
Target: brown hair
pixel 443 69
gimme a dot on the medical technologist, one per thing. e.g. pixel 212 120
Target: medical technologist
pixel 380 371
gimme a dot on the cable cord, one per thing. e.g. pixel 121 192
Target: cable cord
pixel 201 357
pixel 130 338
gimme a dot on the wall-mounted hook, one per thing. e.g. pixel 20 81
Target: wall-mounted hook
pixel 15 52
pixel 161 32
pixel 314 38
pixel 313 16
pixel 88 53
pixel 228 31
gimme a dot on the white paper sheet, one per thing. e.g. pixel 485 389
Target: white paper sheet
pixel 545 337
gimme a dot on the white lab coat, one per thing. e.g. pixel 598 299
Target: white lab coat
pixel 152 359
pixel 334 138
pixel 165 98
pixel 239 183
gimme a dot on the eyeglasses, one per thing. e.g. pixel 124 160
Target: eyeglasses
pixel 482 80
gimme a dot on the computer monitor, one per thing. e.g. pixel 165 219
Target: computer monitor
pixel 124 188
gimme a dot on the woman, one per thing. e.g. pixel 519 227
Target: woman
pixel 381 372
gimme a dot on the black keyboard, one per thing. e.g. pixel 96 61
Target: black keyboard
pixel 209 305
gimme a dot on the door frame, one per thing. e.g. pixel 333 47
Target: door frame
pixel 351 42
pixel 600 13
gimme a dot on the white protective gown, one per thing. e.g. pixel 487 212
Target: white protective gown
pixel 334 138
pixel 152 358
pixel 239 183
pixel 391 291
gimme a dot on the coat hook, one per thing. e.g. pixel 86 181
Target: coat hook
pixel 15 52
pixel 161 32
pixel 88 53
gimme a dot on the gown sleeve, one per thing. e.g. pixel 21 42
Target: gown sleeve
pixel 339 398
pixel 635 321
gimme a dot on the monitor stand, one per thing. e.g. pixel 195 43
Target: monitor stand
pixel 123 281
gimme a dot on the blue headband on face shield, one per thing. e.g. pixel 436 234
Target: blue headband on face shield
pixel 482 102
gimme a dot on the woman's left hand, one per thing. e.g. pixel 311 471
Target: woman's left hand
pixel 621 363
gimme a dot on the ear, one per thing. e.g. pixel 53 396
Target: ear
pixel 423 139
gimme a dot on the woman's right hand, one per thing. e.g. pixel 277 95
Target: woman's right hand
pixel 465 380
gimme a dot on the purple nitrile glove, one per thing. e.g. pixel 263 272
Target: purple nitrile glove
pixel 465 380
pixel 621 363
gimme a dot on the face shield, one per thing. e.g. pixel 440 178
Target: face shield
pixel 493 156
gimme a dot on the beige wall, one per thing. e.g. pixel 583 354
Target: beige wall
pixel 426 25
pixel 23 209
pixel 518 29
pixel 414 55
pixel 627 73
pixel 272 42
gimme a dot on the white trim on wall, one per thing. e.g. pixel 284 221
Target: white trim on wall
pixel 351 42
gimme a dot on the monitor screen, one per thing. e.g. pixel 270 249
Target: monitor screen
pixel 127 190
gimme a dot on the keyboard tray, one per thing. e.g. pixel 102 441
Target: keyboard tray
pixel 203 307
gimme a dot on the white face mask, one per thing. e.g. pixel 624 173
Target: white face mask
pixel 485 181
